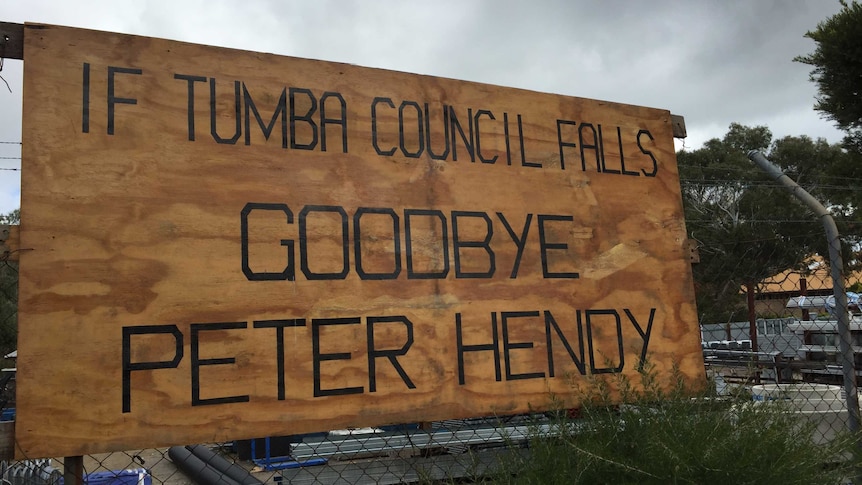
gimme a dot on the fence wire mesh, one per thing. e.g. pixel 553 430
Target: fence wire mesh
pixel 794 354
pixel 789 353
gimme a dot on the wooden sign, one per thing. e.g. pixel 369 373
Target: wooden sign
pixel 220 244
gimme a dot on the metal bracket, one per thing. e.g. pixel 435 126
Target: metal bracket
pixel 693 253
pixel 11 41
pixel 678 124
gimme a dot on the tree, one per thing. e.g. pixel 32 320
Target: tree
pixel 837 62
pixel 9 295
pixel 747 227
pixel 12 218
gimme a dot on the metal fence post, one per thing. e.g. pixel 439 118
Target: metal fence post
pixel 837 272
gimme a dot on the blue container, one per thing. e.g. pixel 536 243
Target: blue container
pixel 136 476
pixel 7 414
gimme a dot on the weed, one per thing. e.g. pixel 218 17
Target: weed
pixel 662 434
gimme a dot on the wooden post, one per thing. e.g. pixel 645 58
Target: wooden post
pixel 803 291
pixel 752 326
pixel 73 470
pixel 7 440
pixel 752 318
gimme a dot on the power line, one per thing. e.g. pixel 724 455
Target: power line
pixel 754 172
pixel 754 183
pixel 769 221
pixel 758 240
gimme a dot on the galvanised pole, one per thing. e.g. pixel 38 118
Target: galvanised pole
pixel 837 270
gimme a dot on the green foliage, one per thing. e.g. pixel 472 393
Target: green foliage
pixel 12 218
pixel 8 307
pixel 837 69
pixel 9 295
pixel 747 227
pixel 666 436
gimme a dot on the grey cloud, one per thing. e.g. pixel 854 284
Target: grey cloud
pixel 713 62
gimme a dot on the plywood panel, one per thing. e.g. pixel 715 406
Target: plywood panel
pixel 227 244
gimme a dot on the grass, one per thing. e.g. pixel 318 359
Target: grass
pixel 663 435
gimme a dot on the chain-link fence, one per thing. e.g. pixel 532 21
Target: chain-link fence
pixel 462 450
pixel 793 359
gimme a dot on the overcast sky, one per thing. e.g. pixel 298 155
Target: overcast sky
pixel 713 62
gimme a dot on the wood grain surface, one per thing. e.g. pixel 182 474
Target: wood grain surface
pixel 219 244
